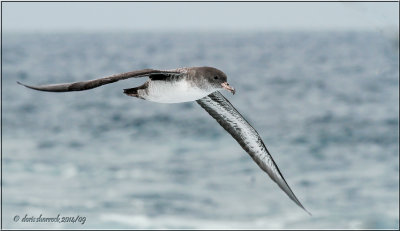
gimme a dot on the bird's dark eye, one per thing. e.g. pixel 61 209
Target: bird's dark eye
pixel 215 77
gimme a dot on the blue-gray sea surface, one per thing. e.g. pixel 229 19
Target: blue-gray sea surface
pixel 326 105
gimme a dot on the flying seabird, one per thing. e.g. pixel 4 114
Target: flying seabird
pixel 200 84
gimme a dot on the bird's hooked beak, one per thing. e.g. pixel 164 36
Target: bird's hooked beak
pixel 226 86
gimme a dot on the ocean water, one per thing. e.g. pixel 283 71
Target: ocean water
pixel 325 103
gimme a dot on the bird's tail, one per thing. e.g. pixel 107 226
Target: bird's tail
pixel 132 91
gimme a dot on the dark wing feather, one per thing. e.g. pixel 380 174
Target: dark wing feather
pixel 234 123
pixel 86 85
pixel 165 76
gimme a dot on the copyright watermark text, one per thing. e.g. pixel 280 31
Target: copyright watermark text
pixel 57 219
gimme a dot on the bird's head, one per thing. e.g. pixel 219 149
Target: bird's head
pixel 216 78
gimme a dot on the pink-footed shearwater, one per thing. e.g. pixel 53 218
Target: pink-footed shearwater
pixel 200 84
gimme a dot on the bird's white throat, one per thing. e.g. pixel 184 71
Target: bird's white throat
pixel 173 92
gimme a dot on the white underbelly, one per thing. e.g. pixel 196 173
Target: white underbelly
pixel 175 92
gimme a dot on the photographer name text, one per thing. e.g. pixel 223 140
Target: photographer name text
pixel 58 219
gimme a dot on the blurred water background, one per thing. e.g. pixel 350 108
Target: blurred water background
pixel 325 103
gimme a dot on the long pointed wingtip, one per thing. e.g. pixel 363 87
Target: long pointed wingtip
pixel 22 84
pixel 307 211
pixel 28 86
pixel 301 206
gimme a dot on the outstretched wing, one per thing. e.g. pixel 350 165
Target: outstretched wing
pixel 86 85
pixel 234 123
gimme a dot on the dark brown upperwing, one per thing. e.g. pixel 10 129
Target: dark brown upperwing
pixel 86 85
